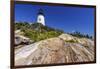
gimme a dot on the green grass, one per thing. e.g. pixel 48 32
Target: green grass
pixel 37 36
pixel 37 31
pixel 72 41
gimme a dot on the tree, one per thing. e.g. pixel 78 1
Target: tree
pixel 78 34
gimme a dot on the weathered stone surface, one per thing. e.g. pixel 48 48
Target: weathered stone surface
pixel 55 50
pixel 67 37
pixel 83 41
pixel 20 39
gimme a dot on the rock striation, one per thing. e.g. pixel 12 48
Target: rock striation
pixel 56 50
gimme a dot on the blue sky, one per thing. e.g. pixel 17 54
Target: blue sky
pixel 68 18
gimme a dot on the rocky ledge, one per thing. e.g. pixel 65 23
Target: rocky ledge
pixel 62 49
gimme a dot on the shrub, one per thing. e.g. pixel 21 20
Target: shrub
pixel 37 31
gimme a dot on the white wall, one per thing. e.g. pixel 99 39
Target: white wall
pixel 5 34
pixel 42 21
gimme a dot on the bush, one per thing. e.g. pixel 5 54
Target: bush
pixel 37 36
pixel 37 31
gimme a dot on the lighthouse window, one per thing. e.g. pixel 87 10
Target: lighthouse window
pixel 39 19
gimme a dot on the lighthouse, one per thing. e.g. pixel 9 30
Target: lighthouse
pixel 41 17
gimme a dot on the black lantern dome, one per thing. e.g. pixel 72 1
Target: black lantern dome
pixel 41 12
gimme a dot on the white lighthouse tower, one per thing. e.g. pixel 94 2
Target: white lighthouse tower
pixel 41 17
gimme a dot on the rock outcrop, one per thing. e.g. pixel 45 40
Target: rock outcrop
pixel 20 39
pixel 56 50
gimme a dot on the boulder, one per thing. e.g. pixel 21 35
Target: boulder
pixel 19 39
pixel 66 37
pixel 83 41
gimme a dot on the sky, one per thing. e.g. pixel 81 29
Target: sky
pixel 68 19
